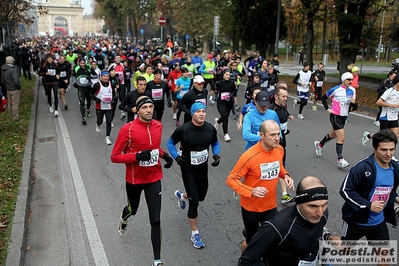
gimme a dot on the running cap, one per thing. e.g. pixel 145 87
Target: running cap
pixel 143 101
pixel 346 75
pixel 354 69
pixel 262 98
pixel 10 60
pixel 197 106
pixel 199 79
pixel 210 56
pixel 312 194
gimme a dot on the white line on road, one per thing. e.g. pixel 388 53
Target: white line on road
pixel 96 245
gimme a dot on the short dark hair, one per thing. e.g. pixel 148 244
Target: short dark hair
pixel 278 89
pixel 384 135
pixel 141 78
pixel 251 91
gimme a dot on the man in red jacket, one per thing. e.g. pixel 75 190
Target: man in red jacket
pixel 138 146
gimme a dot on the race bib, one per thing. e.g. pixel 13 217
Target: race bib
pixel 394 110
pixel 319 83
pixel 381 194
pixel 83 80
pixel 157 94
pixel 198 157
pixel 51 72
pixel 107 98
pixel 120 75
pixel 211 71
pixel 202 100
pixel 99 62
pixel 344 106
pixel 270 89
pixel 152 161
pixel 128 75
pixel 63 74
pixel 190 74
pixel 182 92
pixel 270 170
pixel 264 84
pixel 225 96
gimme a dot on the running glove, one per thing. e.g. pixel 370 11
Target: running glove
pixel 216 161
pixel 143 155
pixel 168 159
pixel 180 161
pixel 98 100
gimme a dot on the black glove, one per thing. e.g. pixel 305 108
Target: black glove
pixel 216 161
pixel 143 156
pixel 75 85
pixel 168 159
pixel 98 100
pixel 180 161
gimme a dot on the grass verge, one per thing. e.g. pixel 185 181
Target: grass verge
pixel 13 137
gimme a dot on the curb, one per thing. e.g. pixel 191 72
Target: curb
pixel 17 242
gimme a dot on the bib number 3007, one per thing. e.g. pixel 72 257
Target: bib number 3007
pixel 152 161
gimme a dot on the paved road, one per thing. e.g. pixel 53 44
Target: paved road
pixel 77 193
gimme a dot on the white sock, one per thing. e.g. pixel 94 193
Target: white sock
pixel 285 193
pixel 194 232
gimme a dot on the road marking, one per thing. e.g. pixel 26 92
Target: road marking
pixel 96 245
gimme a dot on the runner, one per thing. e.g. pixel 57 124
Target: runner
pixel 158 88
pixel 343 101
pixel 138 146
pixel 195 138
pixel 63 82
pixel 258 195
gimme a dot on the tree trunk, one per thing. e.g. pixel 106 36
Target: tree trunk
pixel 309 39
pixel 206 48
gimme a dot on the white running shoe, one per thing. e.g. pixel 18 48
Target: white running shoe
pixel 342 163
pixel 318 148
pixel 295 103
pixel 174 116
pixel 108 141
pixel 227 137
pixel 365 139
pixel 123 114
pixel 216 124
pixel 51 109
pixel 55 113
pixel 112 124
pixel 300 116
pixel 377 123
pixel 98 128
pixel 211 100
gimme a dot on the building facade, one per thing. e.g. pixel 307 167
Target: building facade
pixel 92 26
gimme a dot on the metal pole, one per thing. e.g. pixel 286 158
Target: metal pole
pixel 161 34
pixel 278 25
pixel 382 29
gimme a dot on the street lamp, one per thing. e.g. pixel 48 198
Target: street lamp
pixel 382 29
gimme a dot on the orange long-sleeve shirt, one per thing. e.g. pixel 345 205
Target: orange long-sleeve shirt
pixel 258 168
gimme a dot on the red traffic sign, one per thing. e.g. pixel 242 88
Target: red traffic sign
pixel 162 21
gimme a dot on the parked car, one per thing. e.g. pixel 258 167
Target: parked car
pixel 395 50
pixel 395 62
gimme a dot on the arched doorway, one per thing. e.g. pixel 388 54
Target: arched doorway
pixel 60 26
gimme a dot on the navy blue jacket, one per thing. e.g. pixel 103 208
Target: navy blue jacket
pixel 356 188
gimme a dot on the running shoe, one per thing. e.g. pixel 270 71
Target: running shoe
pixel 98 128
pixel 235 116
pixel 181 202
pixel 236 195
pixel 365 139
pixel 286 198
pixel 318 148
pixel 300 116
pixel 55 113
pixel 314 108
pixel 226 137
pixel 123 115
pixel 157 263
pixel 122 226
pixel 66 106
pixel 211 100
pixel 377 123
pixel 295 103
pixel 108 141
pixel 84 121
pixel 197 241
pixel 51 109
pixel 238 108
pixel 342 163
pixel 174 116
pixel 216 124
pixel 112 124
pixel 88 112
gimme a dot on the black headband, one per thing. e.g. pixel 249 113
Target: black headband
pixel 143 101
pixel 317 193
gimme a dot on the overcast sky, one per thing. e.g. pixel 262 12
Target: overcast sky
pixel 86 4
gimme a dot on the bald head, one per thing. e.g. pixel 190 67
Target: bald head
pixel 268 125
pixel 308 183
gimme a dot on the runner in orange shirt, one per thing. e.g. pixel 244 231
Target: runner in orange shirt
pixel 260 167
